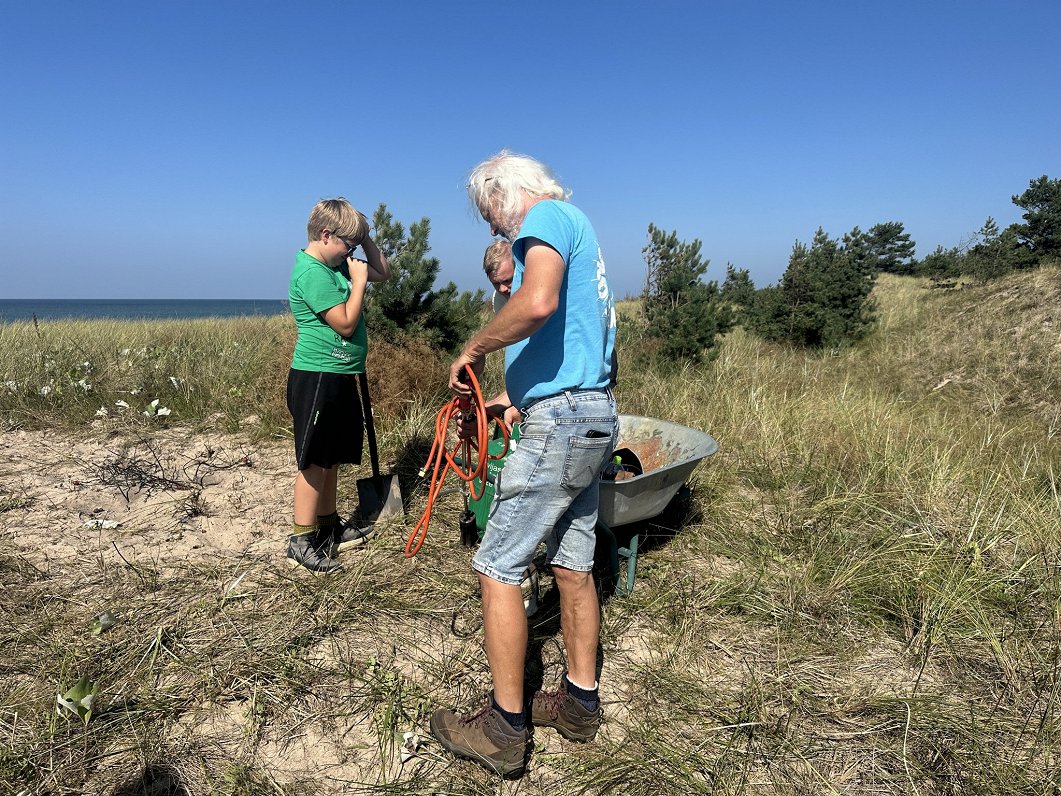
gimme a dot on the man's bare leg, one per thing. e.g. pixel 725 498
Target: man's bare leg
pixel 505 628
pixel 580 622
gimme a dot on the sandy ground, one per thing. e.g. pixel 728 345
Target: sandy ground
pixel 168 495
pixel 172 496
pixel 164 498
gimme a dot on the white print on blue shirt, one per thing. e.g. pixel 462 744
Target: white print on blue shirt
pixel 604 293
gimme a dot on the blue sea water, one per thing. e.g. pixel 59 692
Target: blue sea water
pixel 160 309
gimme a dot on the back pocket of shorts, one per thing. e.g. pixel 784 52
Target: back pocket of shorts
pixel 585 455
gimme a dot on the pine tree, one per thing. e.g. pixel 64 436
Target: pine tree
pixel 683 314
pixel 995 253
pixel 822 299
pixel 860 245
pixel 407 303
pixel 1041 203
pixel 890 248
pixel 738 290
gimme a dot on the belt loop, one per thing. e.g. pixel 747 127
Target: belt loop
pixel 570 400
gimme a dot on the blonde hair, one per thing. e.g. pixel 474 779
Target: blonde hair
pixel 495 253
pixel 339 216
pixel 505 178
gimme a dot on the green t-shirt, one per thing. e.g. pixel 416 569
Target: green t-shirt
pixel 316 288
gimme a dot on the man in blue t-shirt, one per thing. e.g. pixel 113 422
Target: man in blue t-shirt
pixel 558 329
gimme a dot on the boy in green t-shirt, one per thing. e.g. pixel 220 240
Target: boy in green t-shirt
pixel 326 294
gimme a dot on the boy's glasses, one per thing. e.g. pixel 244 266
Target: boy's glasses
pixel 350 246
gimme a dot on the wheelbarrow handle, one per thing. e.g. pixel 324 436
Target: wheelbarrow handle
pixel 370 428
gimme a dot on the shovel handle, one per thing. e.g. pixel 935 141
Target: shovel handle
pixel 370 429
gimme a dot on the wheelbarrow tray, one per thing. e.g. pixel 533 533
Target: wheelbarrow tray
pixel 669 453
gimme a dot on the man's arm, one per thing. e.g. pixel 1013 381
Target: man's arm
pixel 525 313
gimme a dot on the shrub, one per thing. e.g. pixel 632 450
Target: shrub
pixel 822 299
pixel 684 316
pixel 738 290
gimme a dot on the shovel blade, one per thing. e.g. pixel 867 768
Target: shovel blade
pixel 379 498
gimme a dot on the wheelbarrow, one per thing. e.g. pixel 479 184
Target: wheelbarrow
pixel 668 454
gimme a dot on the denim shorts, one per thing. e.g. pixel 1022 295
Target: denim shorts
pixel 549 487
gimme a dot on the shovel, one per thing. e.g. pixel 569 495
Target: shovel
pixel 379 497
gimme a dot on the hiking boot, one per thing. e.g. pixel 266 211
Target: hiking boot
pixel 346 536
pixel 565 714
pixel 310 551
pixel 483 737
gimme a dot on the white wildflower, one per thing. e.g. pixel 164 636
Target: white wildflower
pixel 46 390
pixel 163 411
pixel 102 412
pixel 135 391
pixel 84 385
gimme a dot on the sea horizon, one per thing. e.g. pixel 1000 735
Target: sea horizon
pixel 51 309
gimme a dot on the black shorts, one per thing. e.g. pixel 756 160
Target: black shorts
pixel 326 409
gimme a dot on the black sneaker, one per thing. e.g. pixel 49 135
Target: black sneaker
pixel 347 536
pixel 565 714
pixel 309 550
pixel 485 738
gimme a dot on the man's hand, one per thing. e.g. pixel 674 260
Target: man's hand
pixel 467 426
pixel 456 372
pixel 512 416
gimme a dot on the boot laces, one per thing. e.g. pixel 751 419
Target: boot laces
pixel 552 701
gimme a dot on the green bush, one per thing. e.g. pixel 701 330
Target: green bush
pixel 738 290
pixel 684 315
pixel 822 299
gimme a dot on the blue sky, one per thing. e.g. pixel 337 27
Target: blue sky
pixel 174 149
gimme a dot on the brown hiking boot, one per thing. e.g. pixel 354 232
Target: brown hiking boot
pixel 484 737
pixel 565 714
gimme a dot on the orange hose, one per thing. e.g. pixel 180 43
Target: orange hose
pixel 441 461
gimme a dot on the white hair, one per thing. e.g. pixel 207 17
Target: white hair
pixel 502 180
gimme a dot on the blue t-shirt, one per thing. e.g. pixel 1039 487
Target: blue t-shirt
pixel 574 348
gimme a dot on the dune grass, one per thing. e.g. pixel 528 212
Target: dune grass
pixel 861 594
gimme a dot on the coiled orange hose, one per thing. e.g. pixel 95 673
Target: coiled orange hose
pixel 441 460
